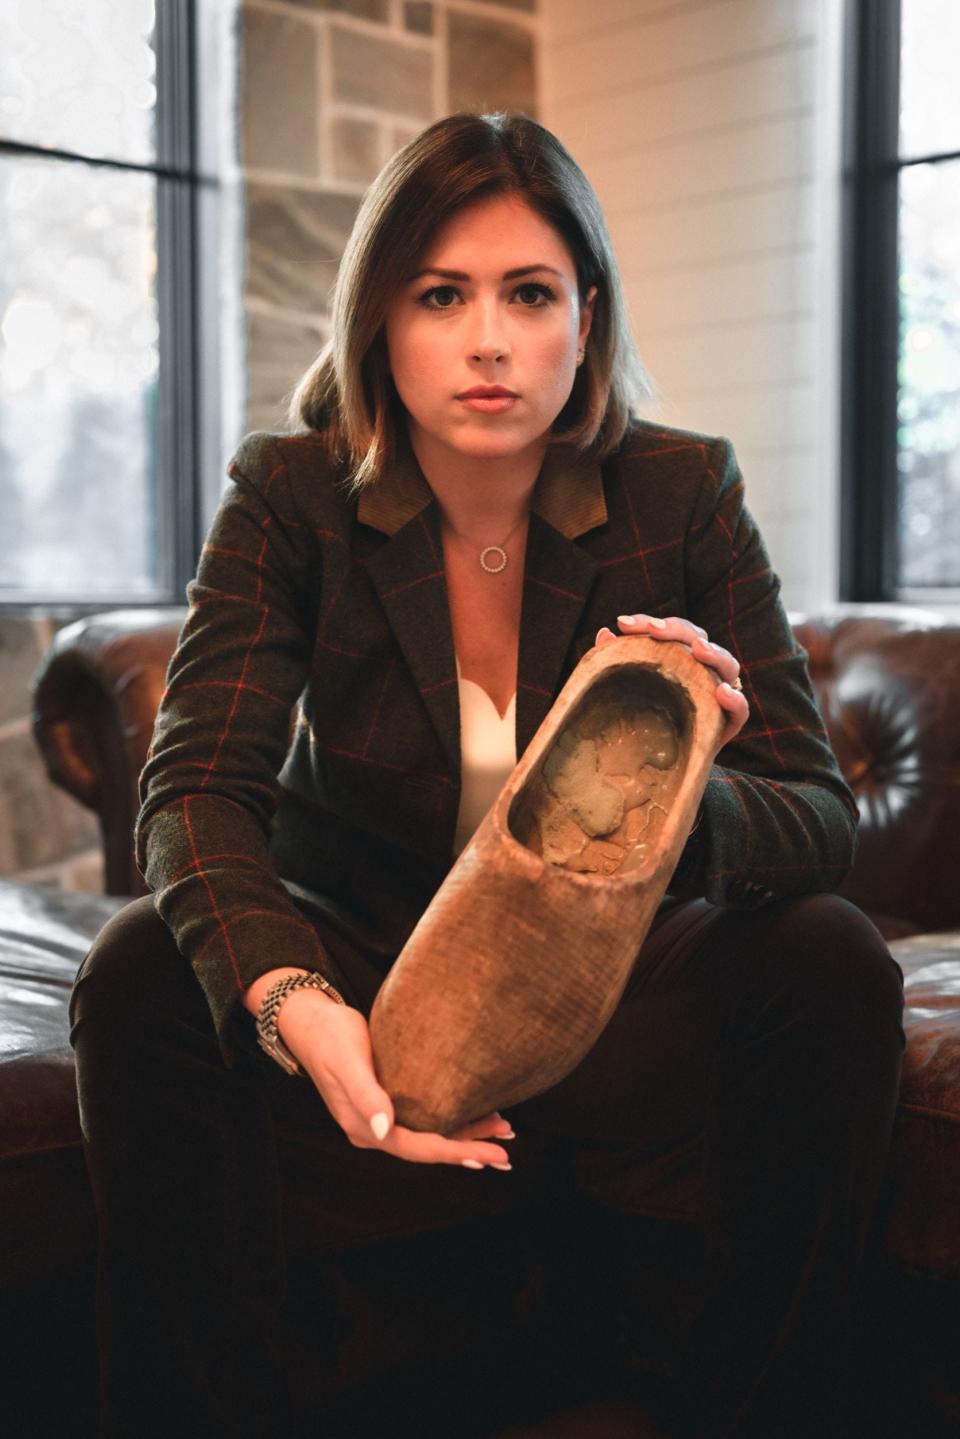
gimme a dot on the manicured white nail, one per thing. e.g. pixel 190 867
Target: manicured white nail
pixel 380 1123
pixel 471 1164
pixel 509 1135
pixel 628 619
pixel 501 1166
pixel 729 688
pixel 656 620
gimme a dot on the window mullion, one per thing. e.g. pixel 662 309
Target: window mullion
pixel 868 569
pixel 177 421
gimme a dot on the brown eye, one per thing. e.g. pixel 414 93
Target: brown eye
pixel 533 296
pixel 440 297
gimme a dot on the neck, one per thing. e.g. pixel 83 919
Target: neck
pixel 479 497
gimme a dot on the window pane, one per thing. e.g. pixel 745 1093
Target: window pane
pixel 929 89
pixel 929 375
pixel 79 77
pixel 78 368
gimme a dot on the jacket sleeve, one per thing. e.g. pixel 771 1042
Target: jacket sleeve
pixel 209 788
pixel 777 817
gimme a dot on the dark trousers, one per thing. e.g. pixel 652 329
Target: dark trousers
pixel 746 1084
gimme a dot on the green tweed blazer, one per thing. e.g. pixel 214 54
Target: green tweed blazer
pixel 321 616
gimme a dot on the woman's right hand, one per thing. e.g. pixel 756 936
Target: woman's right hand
pixel 332 1042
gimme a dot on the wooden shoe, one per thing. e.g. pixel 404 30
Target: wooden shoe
pixel 520 959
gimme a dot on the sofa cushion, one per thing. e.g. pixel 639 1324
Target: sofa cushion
pixel 44 1195
pixel 923 1177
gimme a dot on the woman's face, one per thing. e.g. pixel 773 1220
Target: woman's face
pixel 494 302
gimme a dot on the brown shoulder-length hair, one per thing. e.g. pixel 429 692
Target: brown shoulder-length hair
pixel 347 394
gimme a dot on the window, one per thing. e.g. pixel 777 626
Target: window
pixel 901 441
pixel 100 321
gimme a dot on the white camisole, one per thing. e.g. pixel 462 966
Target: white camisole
pixel 488 753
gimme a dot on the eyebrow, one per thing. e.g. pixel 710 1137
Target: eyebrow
pixel 462 275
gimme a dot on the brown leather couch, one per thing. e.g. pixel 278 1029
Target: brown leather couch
pixel 509 1322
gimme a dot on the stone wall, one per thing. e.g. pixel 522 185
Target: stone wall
pixel 330 90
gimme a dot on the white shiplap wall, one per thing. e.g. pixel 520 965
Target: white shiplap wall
pixel 710 130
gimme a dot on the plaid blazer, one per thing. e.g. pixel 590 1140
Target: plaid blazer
pixel 307 597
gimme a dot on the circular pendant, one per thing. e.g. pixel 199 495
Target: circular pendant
pixel 493 550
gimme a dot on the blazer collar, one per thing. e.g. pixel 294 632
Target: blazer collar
pixel 568 493
pixel 408 575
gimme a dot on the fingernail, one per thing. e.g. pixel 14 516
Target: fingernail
pixel 729 688
pixel 501 1166
pixel 511 1135
pixel 471 1164
pixel 642 620
pixel 380 1123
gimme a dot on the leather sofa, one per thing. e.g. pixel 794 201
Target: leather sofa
pixel 510 1321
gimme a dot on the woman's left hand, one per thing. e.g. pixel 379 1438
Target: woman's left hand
pixel 725 664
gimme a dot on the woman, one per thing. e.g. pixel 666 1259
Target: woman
pixel 468 504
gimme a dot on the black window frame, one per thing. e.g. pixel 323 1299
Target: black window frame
pixel 187 231
pixel 870 321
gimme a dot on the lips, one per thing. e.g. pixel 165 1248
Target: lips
pixel 488 392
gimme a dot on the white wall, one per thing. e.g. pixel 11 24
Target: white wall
pixel 711 132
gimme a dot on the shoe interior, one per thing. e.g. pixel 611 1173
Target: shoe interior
pixel 599 797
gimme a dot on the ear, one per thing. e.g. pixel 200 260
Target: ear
pixel 586 314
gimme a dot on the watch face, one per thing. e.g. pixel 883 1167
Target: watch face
pixel 279 1052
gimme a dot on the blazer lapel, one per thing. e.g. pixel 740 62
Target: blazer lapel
pixel 568 502
pixel 557 582
pixel 407 573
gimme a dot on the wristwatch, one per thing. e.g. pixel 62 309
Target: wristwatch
pixel 267 1036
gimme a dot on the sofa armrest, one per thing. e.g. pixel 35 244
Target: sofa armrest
pixel 95 698
pixel 887 679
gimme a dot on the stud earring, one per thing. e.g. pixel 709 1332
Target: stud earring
pixel 581 356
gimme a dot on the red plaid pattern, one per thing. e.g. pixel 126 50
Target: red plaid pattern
pixel 300 600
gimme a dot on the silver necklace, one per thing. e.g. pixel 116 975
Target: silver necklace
pixel 492 557
pixel 498 552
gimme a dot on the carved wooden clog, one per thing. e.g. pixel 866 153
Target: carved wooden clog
pixel 520 959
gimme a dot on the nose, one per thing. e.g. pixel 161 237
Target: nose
pixel 489 341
